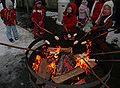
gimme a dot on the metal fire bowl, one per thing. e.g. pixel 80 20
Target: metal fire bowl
pixel 63 43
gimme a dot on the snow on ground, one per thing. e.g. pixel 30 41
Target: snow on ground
pixel 1 7
pixel 10 58
pixel 113 38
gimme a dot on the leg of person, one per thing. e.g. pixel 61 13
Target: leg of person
pixel 15 33
pixel 36 31
pixel 41 30
pixel 8 33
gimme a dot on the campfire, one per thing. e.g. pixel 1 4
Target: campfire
pixel 63 65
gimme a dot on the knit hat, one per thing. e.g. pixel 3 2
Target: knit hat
pixel 37 2
pixel 8 3
pixel 109 3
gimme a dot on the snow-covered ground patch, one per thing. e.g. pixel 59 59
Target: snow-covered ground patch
pixel 52 14
pixel 10 58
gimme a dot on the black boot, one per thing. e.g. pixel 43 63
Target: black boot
pixel 11 40
pixel 117 31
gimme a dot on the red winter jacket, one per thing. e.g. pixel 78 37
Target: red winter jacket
pixel 70 21
pixel 97 10
pixel 37 13
pixel 8 16
pixel 102 27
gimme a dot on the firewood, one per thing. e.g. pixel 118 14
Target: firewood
pixel 61 50
pixel 72 73
pixel 43 71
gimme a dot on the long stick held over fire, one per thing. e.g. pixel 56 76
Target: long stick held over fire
pixel 56 37
pixel 84 42
pixel 94 73
pixel 94 60
pixel 77 41
pixel 17 47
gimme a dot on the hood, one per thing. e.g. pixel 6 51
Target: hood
pixel 37 1
pixel 74 9
pixel 8 3
pixel 35 7
pixel 109 3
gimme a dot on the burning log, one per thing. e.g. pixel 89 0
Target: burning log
pixel 73 73
pixel 43 71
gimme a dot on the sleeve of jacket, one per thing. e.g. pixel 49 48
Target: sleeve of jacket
pixel 33 12
pixel 2 13
pixel 106 25
pixel 13 16
pixel 72 24
pixel 63 20
pixel 87 12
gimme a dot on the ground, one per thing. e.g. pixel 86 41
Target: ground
pixel 13 72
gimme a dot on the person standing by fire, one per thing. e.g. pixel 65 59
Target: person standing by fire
pixel 37 17
pixel 83 14
pixel 8 15
pixel 69 21
pixel 104 20
pixel 95 11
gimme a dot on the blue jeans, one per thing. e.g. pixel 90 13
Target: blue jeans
pixel 11 29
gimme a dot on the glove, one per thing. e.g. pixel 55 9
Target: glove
pixel 94 28
pixel 40 23
pixel 90 18
pixel 8 21
pixel 3 19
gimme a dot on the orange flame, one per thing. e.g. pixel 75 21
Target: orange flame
pixel 80 61
pixel 54 58
pixel 53 66
pixel 35 65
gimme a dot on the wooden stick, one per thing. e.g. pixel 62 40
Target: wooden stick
pixel 28 30
pixel 81 38
pixel 103 34
pixel 61 49
pixel 44 29
pixel 96 74
pixel 114 52
pixel 94 60
pixel 17 47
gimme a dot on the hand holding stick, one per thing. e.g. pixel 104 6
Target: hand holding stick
pixel 69 36
pixel 56 37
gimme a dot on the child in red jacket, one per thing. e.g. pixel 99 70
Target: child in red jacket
pixel 8 15
pixel 104 20
pixel 69 21
pixel 37 16
pixel 96 9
